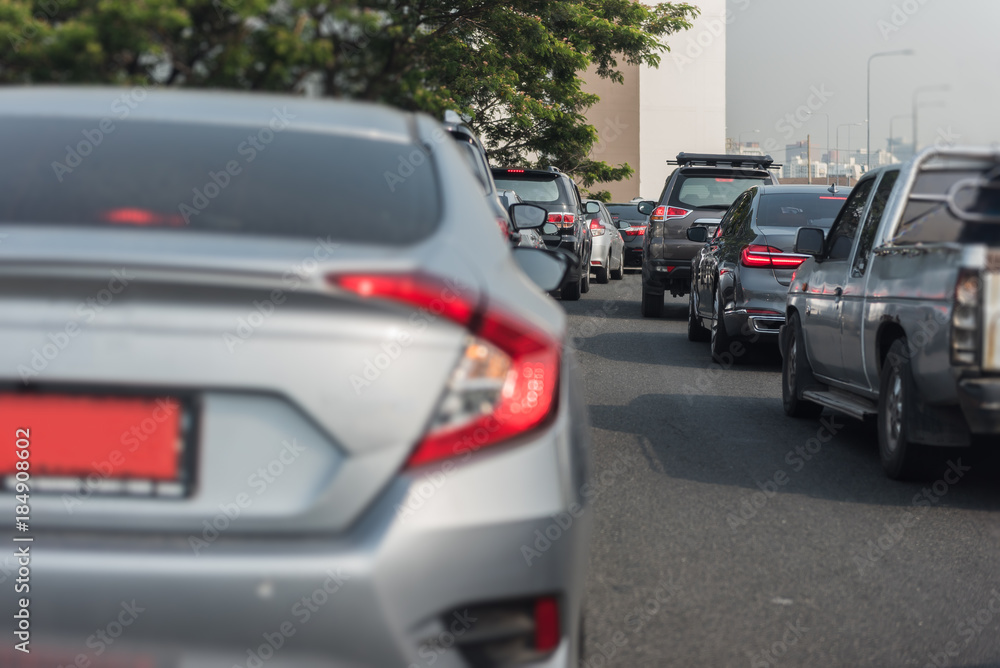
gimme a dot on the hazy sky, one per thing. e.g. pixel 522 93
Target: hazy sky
pixel 779 51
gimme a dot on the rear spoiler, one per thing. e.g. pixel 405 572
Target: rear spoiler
pixel 714 160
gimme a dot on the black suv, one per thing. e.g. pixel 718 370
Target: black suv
pixel 556 192
pixel 697 193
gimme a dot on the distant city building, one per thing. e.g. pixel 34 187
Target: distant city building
pixel 798 168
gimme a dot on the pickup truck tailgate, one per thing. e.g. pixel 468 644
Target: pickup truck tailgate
pixel 991 313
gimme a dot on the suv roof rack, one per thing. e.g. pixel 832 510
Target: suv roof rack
pixel 714 160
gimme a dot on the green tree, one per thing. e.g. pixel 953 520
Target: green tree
pixel 514 69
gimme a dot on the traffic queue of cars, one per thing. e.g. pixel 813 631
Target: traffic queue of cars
pixel 884 298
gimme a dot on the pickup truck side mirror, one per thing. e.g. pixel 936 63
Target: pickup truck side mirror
pixel 697 234
pixel 646 208
pixel 809 241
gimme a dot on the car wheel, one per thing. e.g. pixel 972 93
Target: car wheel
pixel 796 374
pixel 696 331
pixel 602 272
pixel 652 305
pixel 619 273
pixel 901 458
pixel 585 281
pixel 571 291
pixel 719 337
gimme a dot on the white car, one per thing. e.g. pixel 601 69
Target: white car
pixel 607 258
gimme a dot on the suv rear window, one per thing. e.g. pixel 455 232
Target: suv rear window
pixel 531 188
pixel 800 209
pixel 715 190
pixel 211 178
pixel 626 211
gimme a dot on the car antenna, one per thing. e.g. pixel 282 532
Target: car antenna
pixel 833 189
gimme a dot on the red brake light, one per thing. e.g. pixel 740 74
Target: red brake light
pixel 546 624
pixel 723 180
pixel 825 197
pixel 515 171
pixel 130 216
pixel 756 255
pixel 555 218
pixel 662 213
pixel 596 228
pixel 528 360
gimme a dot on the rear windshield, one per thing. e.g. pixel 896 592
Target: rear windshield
pixel 800 209
pixel 626 211
pixel 215 178
pixel 718 192
pixel 541 189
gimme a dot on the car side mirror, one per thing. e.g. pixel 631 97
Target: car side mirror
pixel 550 228
pixel 646 208
pixel 592 207
pixel 809 241
pixel 527 216
pixel 545 268
pixel 697 234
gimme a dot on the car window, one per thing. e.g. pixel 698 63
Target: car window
pixel 872 221
pixel 844 229
pixel 736 216
pixel 531 190
pixel 932 222
pixel 626 211
pixel 475 160
pixel 800 209
pixel 207 178
pixel 694 192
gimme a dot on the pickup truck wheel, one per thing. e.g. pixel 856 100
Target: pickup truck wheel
pixel 696 331
pixel 796 374
pixel 571 292
pixel 718 335
pixel 901 458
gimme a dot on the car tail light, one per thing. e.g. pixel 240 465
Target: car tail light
pixel 546 624
pixel 636 231
pixel 503 386
pixel 596 227
pixel 756 255
pixel 662 213
pixel 563 220
pixel 965 318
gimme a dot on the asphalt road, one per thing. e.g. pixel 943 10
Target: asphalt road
pixel 726 534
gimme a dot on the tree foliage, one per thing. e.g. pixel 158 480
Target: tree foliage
pixel 514 68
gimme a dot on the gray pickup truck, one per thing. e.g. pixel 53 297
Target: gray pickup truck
pixel 897 312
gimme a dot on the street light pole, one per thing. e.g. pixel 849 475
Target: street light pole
pixel 868 110
pixel 827 142
pixel 916 94
pixel 848 126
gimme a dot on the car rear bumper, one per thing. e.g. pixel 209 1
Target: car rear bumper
pixel 391 591
pixel 755 326
pixel 633 256
pixel 659 275
pixel 980 402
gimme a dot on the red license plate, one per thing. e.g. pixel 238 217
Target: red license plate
pixel 75 436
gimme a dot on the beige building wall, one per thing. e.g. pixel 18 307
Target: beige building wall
pixel 657 113
pixel 616 118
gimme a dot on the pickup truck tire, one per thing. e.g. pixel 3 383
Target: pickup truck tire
pixel 796 374
pixel 571 291
pixel 696 331
pixel 718 336
pixel 652 305
pixel 901 458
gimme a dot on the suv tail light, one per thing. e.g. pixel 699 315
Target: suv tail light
pixel 756 255
pixel 596 227
pixel 636 231
pixel 563 220
pixel 965 318
pixel 662 213
pixel 503 386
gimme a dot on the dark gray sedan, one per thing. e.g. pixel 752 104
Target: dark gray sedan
pixel 740 278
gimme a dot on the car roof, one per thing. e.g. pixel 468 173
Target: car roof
pixel 200 106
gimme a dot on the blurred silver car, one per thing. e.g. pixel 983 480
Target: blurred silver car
pixel 607 259
pixel 284 404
